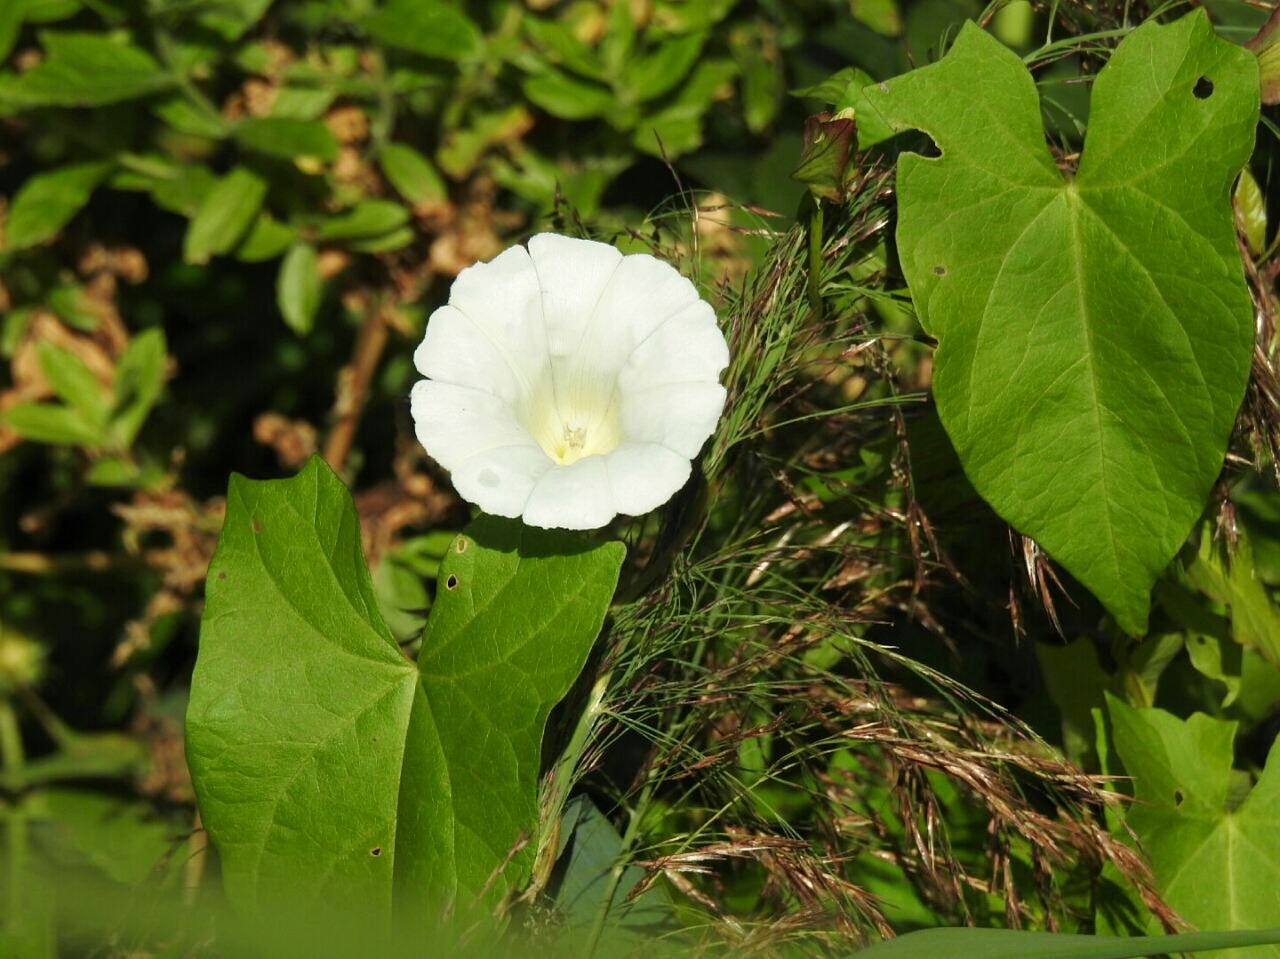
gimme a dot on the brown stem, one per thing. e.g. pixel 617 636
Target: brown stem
pixel 353 384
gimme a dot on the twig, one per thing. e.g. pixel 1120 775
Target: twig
pixel 353 384
pixel 93 561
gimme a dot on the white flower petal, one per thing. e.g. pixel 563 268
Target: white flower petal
pixel 572 497
pixel 643 476
pixel 456 350
pixel 569 383
pixel 456 423
pixel 500 480
pixel 680 415
pixel 503 298
pixel 573 275
pixel 688 348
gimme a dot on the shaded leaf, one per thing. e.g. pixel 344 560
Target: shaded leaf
pixel 1255 621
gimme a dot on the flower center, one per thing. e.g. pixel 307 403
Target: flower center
pixel 574 419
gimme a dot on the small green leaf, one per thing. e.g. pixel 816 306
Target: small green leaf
pixel 1216 859
pixel 299 289
pixel 48 201
pixel 139 379
pixel 676 127
pixel 1095 332
pixel 225 215
pixel 568 97
pixel 661 71
pixel 386 243
pixel 1251 208
pixel 412 174
pixel 50 423
pixel 74 383
pixel 1011 944
pixel 291 139
pixel 431 28
pixel 231 18
pixel 326 764
pixel 267 239
pixel 1255 621
pixel 367 219
pixel 85 70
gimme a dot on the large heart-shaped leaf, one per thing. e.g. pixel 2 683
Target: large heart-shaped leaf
pixel 328 767
pixel 1094 329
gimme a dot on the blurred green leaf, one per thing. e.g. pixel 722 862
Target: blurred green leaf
pixel 49 423
pixel 124 839
pixel 367 219
pixel 1215 862
pixel 322 758
pixel 431 28
pixel 1076 683
pixel 47 202
pixel 299 289
pixel 267 239
pixel 676 128
pixel 85 70
pixel 412 174
pixel 139 379
pixel 561 47
pixel 661 70
pixel 225 215
pixel 761 79
pixel 74 384
pixel 184 116
pixel 1218 659
pixel 290 139
pixel 231 18
pixel 568 97
pixel 397 239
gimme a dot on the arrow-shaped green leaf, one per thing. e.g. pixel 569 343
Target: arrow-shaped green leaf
pixel 1094 330
pixel 328 767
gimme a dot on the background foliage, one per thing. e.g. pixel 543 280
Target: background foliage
pixel 842 698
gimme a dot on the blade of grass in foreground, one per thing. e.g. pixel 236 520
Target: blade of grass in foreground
pixel 1011 944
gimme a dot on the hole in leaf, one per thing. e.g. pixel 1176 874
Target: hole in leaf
pixel 375 851
pixel 939 270
pixel 1178 797
pixel 1203 89
pixel 462 545
pixel 451 582
pixel 928 148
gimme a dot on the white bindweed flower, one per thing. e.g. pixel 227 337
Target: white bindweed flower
pixel 568 383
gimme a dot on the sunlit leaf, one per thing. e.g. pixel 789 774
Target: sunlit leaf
pixel 1094 330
